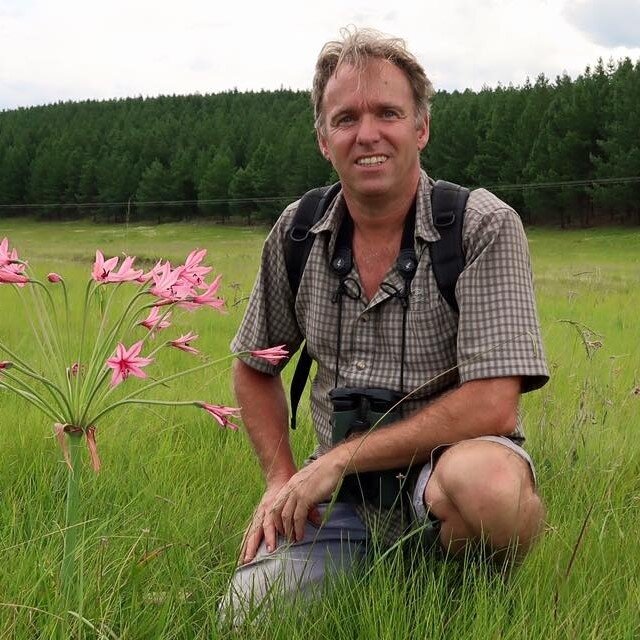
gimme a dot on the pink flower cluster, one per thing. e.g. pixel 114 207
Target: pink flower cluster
pixel 183 285
pixel 11 267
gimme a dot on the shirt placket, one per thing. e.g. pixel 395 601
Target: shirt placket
pixel 362 349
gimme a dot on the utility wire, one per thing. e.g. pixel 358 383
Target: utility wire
pixel 564 183
pixel 280 199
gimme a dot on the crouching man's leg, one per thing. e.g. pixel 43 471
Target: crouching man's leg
pixel 296 569
pixel 483 490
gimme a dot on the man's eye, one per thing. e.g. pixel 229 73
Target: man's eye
pixel 389 114
pixel 344 120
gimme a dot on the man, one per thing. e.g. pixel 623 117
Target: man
pixel 468 480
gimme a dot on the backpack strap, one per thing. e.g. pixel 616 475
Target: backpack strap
pixel 297 248
pixel 311 208
pixel 448 202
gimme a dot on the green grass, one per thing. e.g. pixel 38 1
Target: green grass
pixel 165 516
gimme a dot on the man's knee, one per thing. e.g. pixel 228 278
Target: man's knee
pixel 485 489
pixel 484 472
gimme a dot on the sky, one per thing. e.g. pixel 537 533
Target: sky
pixel 58 50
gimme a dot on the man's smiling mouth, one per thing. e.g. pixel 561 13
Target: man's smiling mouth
pixel 371 160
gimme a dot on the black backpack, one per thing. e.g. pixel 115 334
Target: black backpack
pixel 448 201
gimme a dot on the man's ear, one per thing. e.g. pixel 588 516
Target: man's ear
pixel 423 132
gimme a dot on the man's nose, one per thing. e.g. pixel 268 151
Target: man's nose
pixel 368 129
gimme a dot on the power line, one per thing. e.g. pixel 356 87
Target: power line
pixel 279 199
pixel 150 203
pixel 564 183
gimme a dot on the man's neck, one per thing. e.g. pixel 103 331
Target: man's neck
pixel 377 216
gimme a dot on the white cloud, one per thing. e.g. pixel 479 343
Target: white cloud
pixel 610 23
pixel 73 49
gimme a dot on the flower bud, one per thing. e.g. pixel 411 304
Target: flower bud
pixel 5 364
pixel 54 277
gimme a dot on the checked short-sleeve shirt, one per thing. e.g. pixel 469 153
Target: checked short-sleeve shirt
pixel 496 333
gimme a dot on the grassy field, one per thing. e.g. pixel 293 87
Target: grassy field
pixel 165 515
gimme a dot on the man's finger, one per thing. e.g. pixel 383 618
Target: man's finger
pixel 299 520
pixel 251 547
pixel 270 533
pixel 287 518
pixel 252 538
pixel 275 516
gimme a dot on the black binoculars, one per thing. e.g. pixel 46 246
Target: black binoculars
pixel 357 410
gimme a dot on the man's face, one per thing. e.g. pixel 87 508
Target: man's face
pixel 370 132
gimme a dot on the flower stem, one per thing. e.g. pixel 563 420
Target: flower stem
pixel 72 529
pixel 14 357
pixel 166 403
pixel 57 394
pixel 34 399
pixel 145 388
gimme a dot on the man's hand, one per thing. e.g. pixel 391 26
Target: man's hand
pixel 262 525
pixel 297 499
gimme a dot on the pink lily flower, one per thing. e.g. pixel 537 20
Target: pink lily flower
pixel 165 279
pixel 221 414
pixel 5 256
pixel 9 258
pixel 146 277
pixel 54 277
pixel 183 289
pixel 127 362
pixel 207 297
pixel 153 321
pixel 273 355
pixel 102 268
pixel 125 273
pixel 12 276
pixel 182 342
pixel 194 273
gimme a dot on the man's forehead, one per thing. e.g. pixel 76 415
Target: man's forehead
pixel 366 82
pixel 369 69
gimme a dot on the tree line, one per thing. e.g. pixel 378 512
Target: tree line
pixel 562 152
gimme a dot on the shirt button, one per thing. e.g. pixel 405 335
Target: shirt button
pixel 363 318
pixel 360 365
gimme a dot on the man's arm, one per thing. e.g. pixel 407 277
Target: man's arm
pixel 265 416
pixel 478 407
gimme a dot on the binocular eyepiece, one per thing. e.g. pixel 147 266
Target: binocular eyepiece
pixel 357 409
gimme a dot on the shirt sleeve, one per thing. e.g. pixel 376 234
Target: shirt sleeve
pixel 269 318
pixel 498 331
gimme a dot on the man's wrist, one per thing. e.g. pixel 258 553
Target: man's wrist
pixel 342 456
pixel 280 476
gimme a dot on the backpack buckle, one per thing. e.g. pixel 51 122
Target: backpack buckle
pixel 299 233
pixel 445 219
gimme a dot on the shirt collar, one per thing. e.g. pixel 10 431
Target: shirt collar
pixel 425 229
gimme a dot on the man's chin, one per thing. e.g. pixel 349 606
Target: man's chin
pixel 370 189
